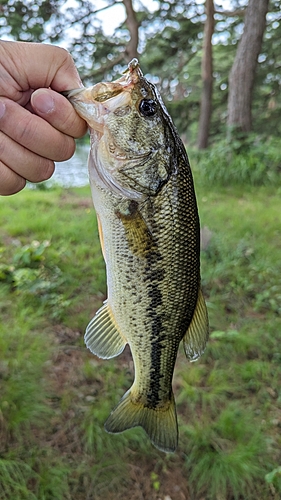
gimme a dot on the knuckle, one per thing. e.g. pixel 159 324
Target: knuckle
pixel 45 171
pixel 18 185
pixel 3 143
pixel 26 131
pixel 65 55
pixel 67 149
pixel 11 182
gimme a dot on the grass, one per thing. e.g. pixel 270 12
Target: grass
pixel 55 396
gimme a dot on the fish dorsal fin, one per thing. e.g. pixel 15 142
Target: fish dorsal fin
pixel 195 339
pixel 102 335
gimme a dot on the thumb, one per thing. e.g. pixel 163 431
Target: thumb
pixel 58 111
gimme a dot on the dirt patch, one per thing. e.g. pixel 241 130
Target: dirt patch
pixel 140 478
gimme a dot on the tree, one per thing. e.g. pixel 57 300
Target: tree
pixel 242 74
pixel 26 20
pixel 76 26
pixel 170 52
pixel 207 77
pixel 133 27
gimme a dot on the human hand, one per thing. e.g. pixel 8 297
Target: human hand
pixel 37 124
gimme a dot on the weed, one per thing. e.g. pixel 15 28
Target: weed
pixel 14 477
pixel 155 481
pixel 37 279
pixel 254 162
pixel 52 481
pixel 224 455
pixel 273 478
pixel 55 396
pixel 22 389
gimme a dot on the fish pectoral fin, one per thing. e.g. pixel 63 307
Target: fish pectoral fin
pixel 159 424
pixel 138 236
pixel 195 339
pixel 102 335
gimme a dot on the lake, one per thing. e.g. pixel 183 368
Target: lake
pixel 73 172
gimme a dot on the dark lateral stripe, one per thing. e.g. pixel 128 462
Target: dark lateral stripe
pixel 156 343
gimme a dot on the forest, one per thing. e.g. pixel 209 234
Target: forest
pixel 218 68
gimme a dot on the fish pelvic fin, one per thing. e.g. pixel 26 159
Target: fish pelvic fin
pixel 159 424
pixel 102 336
pixel 196 337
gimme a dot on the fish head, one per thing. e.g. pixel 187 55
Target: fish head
pixel 130 137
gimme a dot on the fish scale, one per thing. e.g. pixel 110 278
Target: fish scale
pixel 144 198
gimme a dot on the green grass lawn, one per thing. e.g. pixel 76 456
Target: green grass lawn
pixel 55 395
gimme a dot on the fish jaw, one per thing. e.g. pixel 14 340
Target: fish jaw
pixel 94 103
pixel 126 157
pixel 93 111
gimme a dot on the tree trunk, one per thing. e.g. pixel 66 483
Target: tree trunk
pixel 133 27
pixel 242 74
pixel 207 78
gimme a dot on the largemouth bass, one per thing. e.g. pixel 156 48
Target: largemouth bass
pixel 145 202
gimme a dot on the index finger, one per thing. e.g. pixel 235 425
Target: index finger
pixel 34 133
pixel 36 65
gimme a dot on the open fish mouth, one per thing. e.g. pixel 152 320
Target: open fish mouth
pixel 96 102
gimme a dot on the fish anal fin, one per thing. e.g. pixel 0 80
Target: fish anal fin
pixel 102 335
pixel 159 424
pixel 195 339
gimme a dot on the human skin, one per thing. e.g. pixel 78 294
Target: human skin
pixel 37 124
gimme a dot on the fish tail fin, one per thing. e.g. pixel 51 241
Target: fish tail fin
pixel 159 424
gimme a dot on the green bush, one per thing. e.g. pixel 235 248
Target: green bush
pixel 254 162
pixel 36 277
pixel 224 455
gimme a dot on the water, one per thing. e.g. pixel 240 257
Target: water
pixel 73 172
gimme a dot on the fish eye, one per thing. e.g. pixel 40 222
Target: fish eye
pixel 148 107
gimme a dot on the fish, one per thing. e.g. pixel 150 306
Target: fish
pixel 144 198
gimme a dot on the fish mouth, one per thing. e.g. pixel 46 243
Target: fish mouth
pixel 94 103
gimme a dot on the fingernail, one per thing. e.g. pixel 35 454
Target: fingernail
pixel 2 109
pixel 43 102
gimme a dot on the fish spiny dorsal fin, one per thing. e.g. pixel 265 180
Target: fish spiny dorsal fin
pixel 102 335
pixel 195 339
pixel 160 424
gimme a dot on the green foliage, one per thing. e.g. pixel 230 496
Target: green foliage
pixel 23 353
pixel 274 479
pixel 14 476
pixel 26 20
pixel 254 161
pixel 52 479
pixel 155 481
pixel 240 273
pixel 224 455
pixel 31 275
pixel 171 42
pixel 55 395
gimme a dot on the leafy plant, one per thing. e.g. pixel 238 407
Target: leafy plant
pixel 14 477
pixel 55 396
pixel 224 455
pixel 255 161
pixel 33 275
pixel 273 478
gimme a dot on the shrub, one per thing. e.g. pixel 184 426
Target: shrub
pixel 254 162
